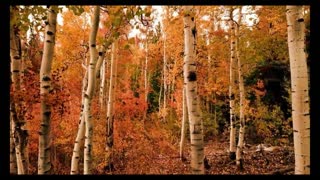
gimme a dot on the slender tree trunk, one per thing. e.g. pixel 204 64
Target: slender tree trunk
pixel 14 118
pixel 164 76
pixel 190 81
pixel 90 91
pixel 19 131
pixel 110 115
pixel 160 93
pixel 81 129
pixel 184 122
pixel 99 63
pixel 239 152
pixel 299 89
pixel 173 82
pixel 22 105
pixel 19 142
pixel 106 92
pixel 13 159
pixel 44 161
pixel 146 80
pixel 102 86
pixel 232 148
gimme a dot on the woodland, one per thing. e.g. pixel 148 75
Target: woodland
pixel 159 90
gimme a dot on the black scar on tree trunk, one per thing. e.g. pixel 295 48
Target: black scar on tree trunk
pixel 232 155
pixel 194 32
pixel 192 76
pixel 50 33
pixel 240 167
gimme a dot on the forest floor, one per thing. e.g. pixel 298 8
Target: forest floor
pixel 152 153
pixel 278 161
pixel 153 148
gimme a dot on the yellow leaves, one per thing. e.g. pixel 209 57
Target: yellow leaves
pixel 77 10
pixel 116 34
pixel 272 17
pixel 116 21
pixel 127 46
pixel 69 47
pixel 116 9
pixel 131 41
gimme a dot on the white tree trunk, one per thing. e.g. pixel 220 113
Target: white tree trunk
pixel 80 134
pixel 239 153
pixel 44 162
pixel 160 93
pixel 107 80
pixel 146 80
pixel 164 76
pixel 19 143
pixel 18 123
pixel 299 89
pixel 232 147
pixel 90 91
pixel 102 86
pixel 173 82
pixel 183 122
pixel 100 62
pixel 110 113
pixel 190 81
pixel 17 155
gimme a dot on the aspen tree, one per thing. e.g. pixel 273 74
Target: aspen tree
pixel 299 88
pixel 19 134
pixel 146 79
pixel 90 91
pixel 81 129
pixel 232 148
pixel 102 85
pixel 100 72
pixel 165 86
pixel 190 81
pixel 110 113
pixel 239 152
pixel 44 162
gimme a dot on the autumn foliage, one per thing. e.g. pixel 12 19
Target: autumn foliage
pixel 150 145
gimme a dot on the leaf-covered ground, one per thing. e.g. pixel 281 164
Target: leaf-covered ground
pixel 149 151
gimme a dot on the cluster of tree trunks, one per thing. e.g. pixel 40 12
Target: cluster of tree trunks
pixel 190 100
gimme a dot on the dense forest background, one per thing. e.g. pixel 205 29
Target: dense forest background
pixel 112 85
